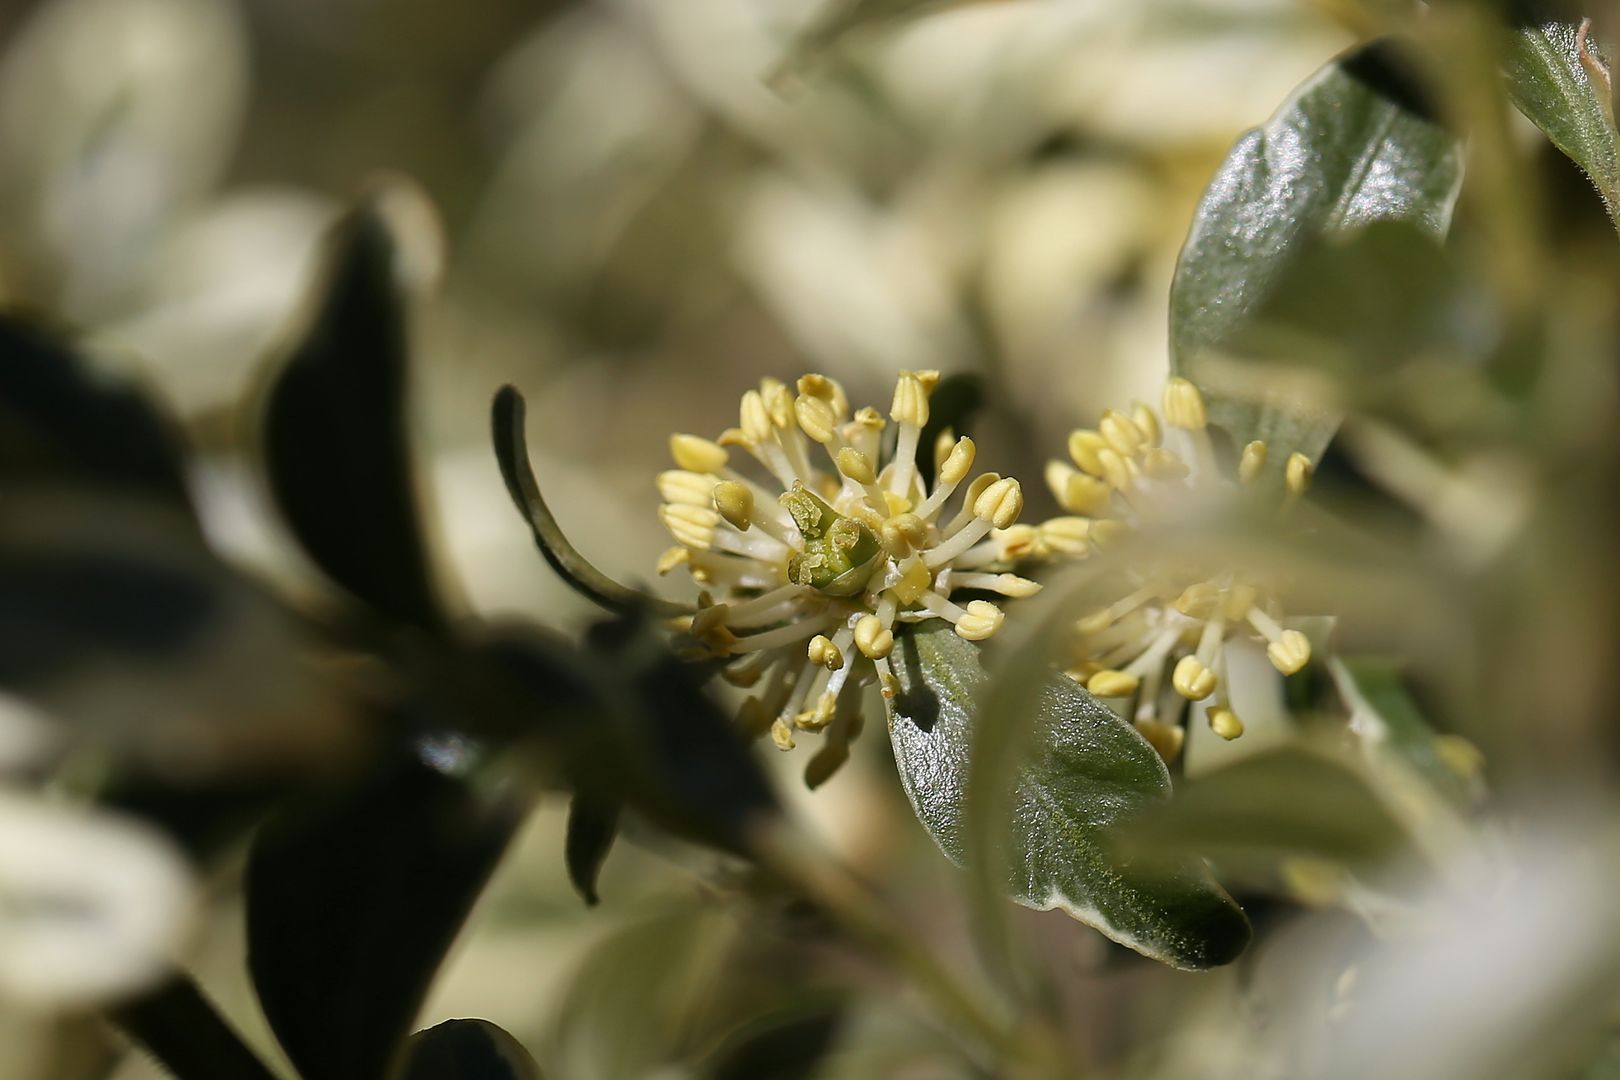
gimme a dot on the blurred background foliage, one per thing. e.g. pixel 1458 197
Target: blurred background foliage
pixel 634 209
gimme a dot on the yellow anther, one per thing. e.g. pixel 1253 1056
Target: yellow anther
pixel 1239 599
pixel 781 734
pixel 958 461
pixel 856 465
pixel 1290 652
pixel 872 638
pixel 1146 422
pixel 690 525
pixel 914 581
pixel 1016 587
pixel 1162 464
pixel 1459 755
pixel 1084 447
pixel 1192 679
pixel 823 653
pixel 1018 542
pixel 1075 491
pixel 697 454
pixel 733 436
pixel 1120 433
pixel 982 620
pixel 929 378
pixel 671 558
pixel 897 504
pixel 708 618
pixel 1094 622
pixel 778 401
pixel 1114 469
pixel 910 401
pixel 755 418
pixel 734 502
pixel 1111 683
pixel 1225 723
pixel 687 488
pixel 828 390
pixel 1184 405
pixel 1297 473
pixel 1000 503
pixel 1069 536
pixel 818 715
pixel 1198 601
pixel 869 418
pixel 1253 462
pixel 1167 739
pixel 904 533
pixel 1108 532
pixel 816 418
pixel 742 675
pixel 978 486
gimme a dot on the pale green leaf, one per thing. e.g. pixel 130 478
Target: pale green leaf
pixel 1560 81
pixel 1085 770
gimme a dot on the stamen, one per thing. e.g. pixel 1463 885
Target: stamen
pixel 1253 462
pixel 1075 491
pixel 697 454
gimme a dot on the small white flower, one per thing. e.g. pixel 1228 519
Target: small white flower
pixel 809 571
pixel 93 906
pixel 1174 616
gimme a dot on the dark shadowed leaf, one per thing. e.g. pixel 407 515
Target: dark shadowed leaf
pixel 1085 770
pixel 467 1050
pixel 782 1046
pixel 115 617
pixel 64 424
pixel 182 1029
pixel 508 415
pixel 335 427
pixel 1355 145
pixel 1560 79
pixel 633 726
pixel 353 898
pixel 593 822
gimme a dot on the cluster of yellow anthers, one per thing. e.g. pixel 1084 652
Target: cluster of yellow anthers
pixel 806 580
pixel 1131 472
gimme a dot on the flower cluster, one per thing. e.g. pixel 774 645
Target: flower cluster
pixel 1173 616
pixel 809 564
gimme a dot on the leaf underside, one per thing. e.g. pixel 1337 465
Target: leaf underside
pixel 1085 770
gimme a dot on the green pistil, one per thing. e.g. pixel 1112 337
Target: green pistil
pixel 839 552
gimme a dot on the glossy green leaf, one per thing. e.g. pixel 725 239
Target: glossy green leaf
pixel 467 1050
pixel 1560 80
pixel 354 897
pixel 507 416
pixel 1355 145
pixel 335 429
pixel 1086 770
